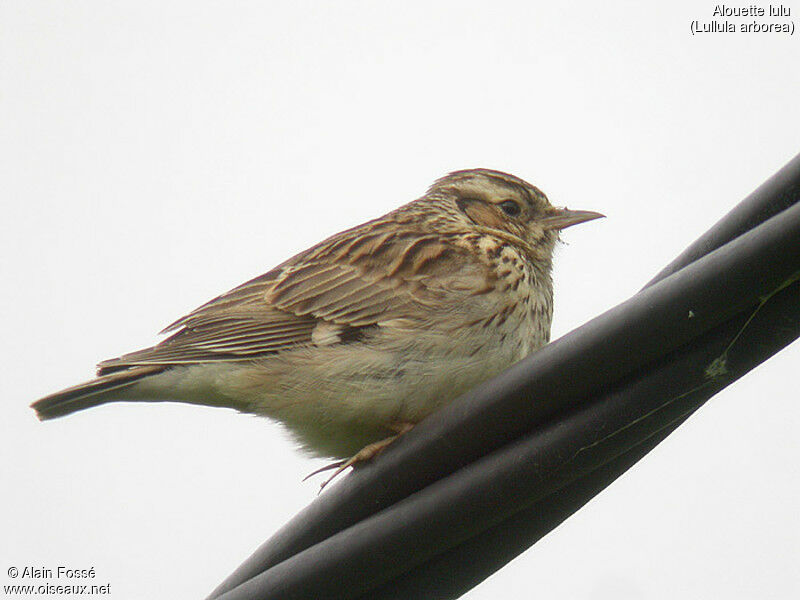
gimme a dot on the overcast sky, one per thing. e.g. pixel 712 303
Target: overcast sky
pixel 156 154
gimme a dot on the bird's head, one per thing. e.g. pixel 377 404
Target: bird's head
pixel 507 207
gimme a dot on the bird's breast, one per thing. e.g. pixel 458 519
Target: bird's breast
pixel 525 301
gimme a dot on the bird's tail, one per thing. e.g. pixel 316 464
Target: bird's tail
pixel 105 388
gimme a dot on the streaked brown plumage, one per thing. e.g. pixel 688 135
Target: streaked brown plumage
pixel 369 331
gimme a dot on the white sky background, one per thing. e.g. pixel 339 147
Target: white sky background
pixel 154 155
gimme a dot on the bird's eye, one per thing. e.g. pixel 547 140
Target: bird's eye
pixel 510 207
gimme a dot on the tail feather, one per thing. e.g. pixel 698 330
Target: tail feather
pixel 92 393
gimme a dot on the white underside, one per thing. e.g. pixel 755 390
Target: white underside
pixel 336 399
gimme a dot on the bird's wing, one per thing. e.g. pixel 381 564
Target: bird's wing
pixel 332 293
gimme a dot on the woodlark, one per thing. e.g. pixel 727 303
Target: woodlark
pixel 360 337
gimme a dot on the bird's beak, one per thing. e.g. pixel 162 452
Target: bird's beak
pixel 561 218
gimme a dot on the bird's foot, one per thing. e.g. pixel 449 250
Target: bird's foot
pixel 366 454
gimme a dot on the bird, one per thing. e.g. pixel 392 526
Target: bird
pixel 352 342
